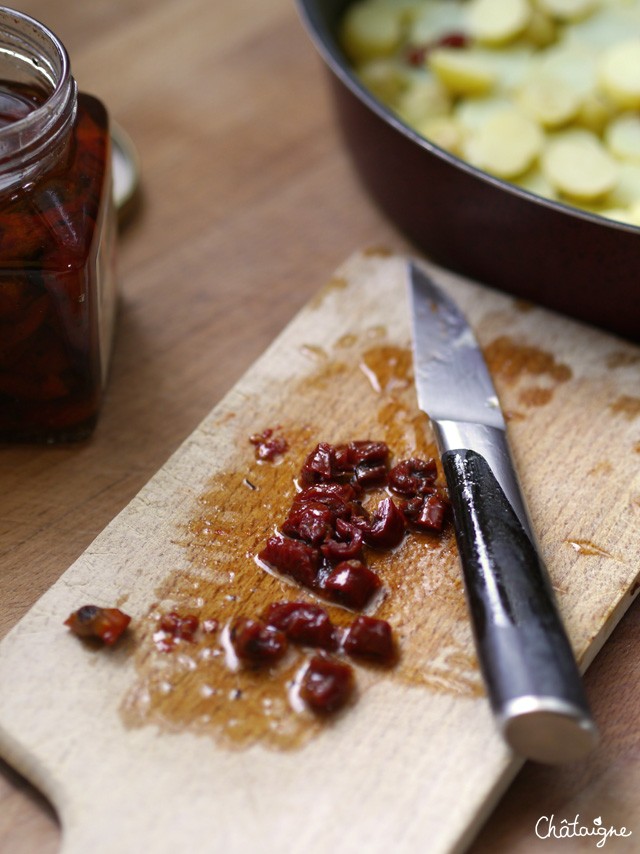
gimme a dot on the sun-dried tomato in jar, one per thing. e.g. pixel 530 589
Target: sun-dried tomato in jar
pixel 57 237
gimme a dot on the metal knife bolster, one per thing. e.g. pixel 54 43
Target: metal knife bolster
pixel 532 678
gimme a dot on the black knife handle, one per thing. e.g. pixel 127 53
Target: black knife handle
pixel 528 665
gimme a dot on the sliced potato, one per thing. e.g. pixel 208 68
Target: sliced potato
pixel 622 136
pixel 549 100
pixel 567 10
pixel 497 21
pixel 444 131
pixel 463 72
pixel 577 165
pixel 626 192
pixel 437 18
pixel 424 99
pixel 536 182
pixel 385 78
pixel 596 110
pixel 619 73
pixel 545 93
pixel 409 10
pixel 626 215
pixel 371 29
pixel 573 63
pixel 634 214
pixel 511 64
pixel 506 145
pixel 473 113
pixel 607 26
pixel 541 30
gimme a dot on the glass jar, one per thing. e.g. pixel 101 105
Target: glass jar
pixel 57 240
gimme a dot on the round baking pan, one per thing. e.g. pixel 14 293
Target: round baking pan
pixel 539 250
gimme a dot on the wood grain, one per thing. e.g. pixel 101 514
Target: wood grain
pixel 160 727
pixel 249 204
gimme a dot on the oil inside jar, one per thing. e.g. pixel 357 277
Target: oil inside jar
pixel 17 101
pixel 57 279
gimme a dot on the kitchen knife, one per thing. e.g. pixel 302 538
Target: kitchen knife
pixel 526 659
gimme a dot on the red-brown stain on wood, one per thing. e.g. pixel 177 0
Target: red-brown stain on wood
pixel 193 687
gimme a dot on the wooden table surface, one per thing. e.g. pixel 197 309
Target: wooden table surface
pixel 248 205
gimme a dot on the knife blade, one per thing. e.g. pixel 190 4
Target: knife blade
pixel 525 656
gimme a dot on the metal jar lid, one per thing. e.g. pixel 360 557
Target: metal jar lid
pixel 126 172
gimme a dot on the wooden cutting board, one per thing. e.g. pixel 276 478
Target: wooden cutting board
pixel 142 748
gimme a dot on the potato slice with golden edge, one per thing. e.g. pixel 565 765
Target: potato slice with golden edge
pixel 424 99
pixel 577 165
pixel 463 72
pixel 619 73
pixel 541 30
pixel 535 182
pixel 567 10
pixel 629 216
pixel 444 131
pixel 626 192
pixel 497 21
pixel 384 78
pixel 622 137
pixel 596 110
pixel 549 101
pixel 634 214
pixel 371 29
pixel 506 145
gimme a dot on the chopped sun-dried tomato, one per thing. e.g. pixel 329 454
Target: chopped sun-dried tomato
pixel 293 558
pixel 268 446
pixel 322 545
pixel 351 583
pixel 104 624
pixel 340 498
pixel 366 460
pixel 416 55
pixel 174 628
pixel 346 545
pixel 387 526
pixel 257 643
pixel 370 638
pixel 426 512
pixel 179 626
pixel 319 465
pixel 413 477
pixel 303 623
pixel 327 684
pixel 310 521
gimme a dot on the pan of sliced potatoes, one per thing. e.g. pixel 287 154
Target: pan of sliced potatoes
pixel 502 136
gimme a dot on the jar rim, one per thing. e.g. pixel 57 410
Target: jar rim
pixel 32 143
pixel 59 92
